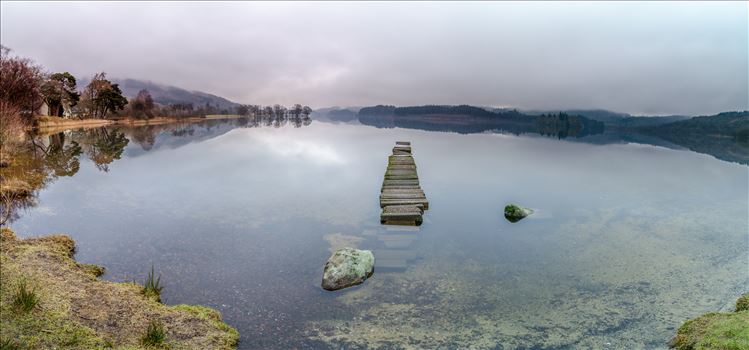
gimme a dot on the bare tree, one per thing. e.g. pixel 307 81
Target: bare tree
pixel 20 83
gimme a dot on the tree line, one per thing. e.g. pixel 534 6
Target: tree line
pixel 25 87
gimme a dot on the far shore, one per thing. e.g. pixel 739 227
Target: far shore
pixel 49 124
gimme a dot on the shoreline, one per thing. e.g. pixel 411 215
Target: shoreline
pixel 47 124
pixel 76 309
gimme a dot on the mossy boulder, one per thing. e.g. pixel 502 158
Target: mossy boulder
pixel 347 267
pixel 716 330
pixel 515 213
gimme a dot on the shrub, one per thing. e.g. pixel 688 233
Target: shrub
pixel 152 286
pixel 25 298
pixel 155 334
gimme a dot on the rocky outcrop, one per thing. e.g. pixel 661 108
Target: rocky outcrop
pixel 347 267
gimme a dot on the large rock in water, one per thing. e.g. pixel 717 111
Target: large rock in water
pixel 515 213
pixel 347 267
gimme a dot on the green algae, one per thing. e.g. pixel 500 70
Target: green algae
pixel 591 293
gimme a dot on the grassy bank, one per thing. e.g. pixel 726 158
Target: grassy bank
pixel 50 301
pixel 48 124
pixel 716 330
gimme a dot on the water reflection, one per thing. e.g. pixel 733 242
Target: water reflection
pixel 39 159
pixel 628 240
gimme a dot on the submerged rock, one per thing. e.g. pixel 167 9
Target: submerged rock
pixel 347 267
pixel 515 213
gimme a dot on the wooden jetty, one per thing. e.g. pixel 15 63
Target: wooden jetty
pixel 401 198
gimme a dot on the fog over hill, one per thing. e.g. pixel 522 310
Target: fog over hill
pixel 167 94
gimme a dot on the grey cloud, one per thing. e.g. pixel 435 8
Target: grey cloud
pixel 654 58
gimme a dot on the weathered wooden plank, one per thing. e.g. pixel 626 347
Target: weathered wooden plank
pixel 401 166
pixel 400 186
pixel 402 150
pixel 415 190
pixel 401 198
pixel 401 172
pixel 401 159
pixel 402 177
pixel 401 182
pixel 395 209
pixel 401 219
pixel 402 194
pixel 408 201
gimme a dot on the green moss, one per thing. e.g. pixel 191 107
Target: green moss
pixel 511 209
pixel 718 331
pixel 742 304
pixel 515 213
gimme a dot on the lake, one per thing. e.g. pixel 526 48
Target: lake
pixel 627 240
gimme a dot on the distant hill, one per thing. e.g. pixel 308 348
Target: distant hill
pixel 615 118
pixel 166 94
pixel 472 119
pixel 724 135
pixel 600 115
pixel 725 124
pixel 336 114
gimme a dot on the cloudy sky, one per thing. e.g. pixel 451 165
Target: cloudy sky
pixel 644 58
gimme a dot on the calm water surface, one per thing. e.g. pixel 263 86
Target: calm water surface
pixel 627 241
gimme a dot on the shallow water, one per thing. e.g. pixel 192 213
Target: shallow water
pixel 626 242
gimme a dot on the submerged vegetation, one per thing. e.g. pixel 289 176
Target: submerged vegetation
pixel 68 307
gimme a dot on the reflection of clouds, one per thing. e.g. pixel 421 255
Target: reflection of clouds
pixel 44 210
pixel 287 143
pixel 310 150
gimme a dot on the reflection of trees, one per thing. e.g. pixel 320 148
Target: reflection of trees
pixel 145 136
pixel 35 162
pixel 274 120
pixel 62 159
pixel 104 145
pixel 40 159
